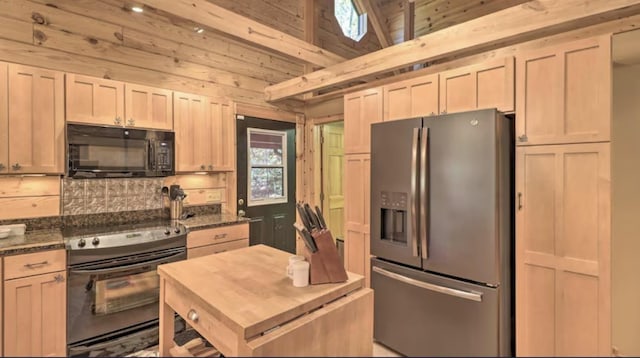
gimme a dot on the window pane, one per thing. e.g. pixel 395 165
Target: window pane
pixel 267 183
pixel 265 149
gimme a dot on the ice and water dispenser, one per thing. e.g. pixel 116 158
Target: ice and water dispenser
pixel 394 216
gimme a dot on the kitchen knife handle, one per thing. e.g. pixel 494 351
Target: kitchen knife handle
pixel 312 217
pixel 424 193
pixel 303 216
pixel 414 204
pixel 323 223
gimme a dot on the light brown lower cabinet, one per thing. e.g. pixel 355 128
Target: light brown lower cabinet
pixel 356 203
pixel 563 248
pixel 216 240
pixel 35 316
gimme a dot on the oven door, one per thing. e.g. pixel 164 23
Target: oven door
pixel 111 295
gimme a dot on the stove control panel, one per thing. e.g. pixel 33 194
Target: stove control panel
pixel 126 238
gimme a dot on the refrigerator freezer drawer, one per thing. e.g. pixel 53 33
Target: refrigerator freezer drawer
pixel 420 314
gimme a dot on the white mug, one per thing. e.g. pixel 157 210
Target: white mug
pixel 300 273
pixel 293 259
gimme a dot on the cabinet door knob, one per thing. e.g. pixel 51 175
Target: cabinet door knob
pixel 523 138
pixel 131 121
pixel 193 315
pixel 16 166
pixel 117 120
pixel 1 166
pixel 203 167
pixel 210 167
pixel 444 112
pixel 59 278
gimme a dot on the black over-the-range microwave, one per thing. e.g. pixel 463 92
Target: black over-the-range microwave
pixel 109 152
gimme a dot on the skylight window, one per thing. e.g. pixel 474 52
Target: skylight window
pixel 352 23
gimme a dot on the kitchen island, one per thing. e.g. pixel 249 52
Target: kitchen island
pixel 243 303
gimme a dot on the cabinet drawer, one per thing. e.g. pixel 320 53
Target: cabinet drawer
pixel 217 235
pixel 216 248
pixel 34 264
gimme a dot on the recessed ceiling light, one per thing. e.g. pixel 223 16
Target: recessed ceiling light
pixel 198 30
pixel 137 9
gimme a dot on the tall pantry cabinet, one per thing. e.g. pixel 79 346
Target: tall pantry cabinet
pixel 563 200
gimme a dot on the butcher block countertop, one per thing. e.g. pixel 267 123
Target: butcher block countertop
pixel 244 304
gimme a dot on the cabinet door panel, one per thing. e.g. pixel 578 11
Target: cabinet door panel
pixel 36 120
pixel 357 214
pixel 222 124
pixel 361 109
pixel 4 119
pixel 563 236
pixel 148 107
pixel 94 100
pixel 35 316
pixel 564 93
pixel 457 91
pixel 193 144
pixel 411 98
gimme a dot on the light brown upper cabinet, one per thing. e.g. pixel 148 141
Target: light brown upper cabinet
pixel 223 135
pixel 564 93
pixel 411 98
pixel 148 107
pixel 33 127
pixel 563 248
pixel 193 146
pixel 360 110
pixel 94 100
pixel 485 85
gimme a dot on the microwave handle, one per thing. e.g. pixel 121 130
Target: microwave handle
pixel 152 155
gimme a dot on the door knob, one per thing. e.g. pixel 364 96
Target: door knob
pixel 241 213
pixel 210 167
pixel 117 120
pixel 202 167
pixel 193 315
pixel 131 121
pixel 16 166
pixel 1 166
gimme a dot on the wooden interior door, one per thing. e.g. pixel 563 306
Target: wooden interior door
pixel 148 107
pixel 193 133
pixel 35 316
pixel 332 152
pixel 36 120
pixel 4 119
pixel 563 245
pixel 94 100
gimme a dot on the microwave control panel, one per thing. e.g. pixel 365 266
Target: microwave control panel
pixel 164 156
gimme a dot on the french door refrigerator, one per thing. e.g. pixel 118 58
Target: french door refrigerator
pixel 441 234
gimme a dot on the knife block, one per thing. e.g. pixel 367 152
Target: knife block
pixel 324 265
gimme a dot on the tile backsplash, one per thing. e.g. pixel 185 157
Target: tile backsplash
pixel 92 196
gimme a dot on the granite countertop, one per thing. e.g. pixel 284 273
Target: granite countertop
pixel 32 241
pixel 200 222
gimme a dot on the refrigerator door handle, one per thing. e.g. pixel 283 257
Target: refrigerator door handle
pixel 473 296
pixel 424 188
pixel 414 189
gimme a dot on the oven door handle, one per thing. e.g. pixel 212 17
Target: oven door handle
pixel 159 261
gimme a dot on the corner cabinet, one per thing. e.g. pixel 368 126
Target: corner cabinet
pixel 32 127
pixel 360 110
pixel 485 85
pixel 35 305
pixel 563 248
pixel 357 188
pixel 564 93
pixel 205 133
pixel 94 100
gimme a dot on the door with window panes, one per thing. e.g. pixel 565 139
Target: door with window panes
pixel 266 180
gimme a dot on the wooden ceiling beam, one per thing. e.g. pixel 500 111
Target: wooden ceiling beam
pixel 223 20
pixel 409 20
pixel 525 22
pixel 377 21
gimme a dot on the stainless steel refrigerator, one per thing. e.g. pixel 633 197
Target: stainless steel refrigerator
pixel 441 234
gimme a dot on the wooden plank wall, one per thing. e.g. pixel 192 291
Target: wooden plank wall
pixel 434 15
pixel 100 38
